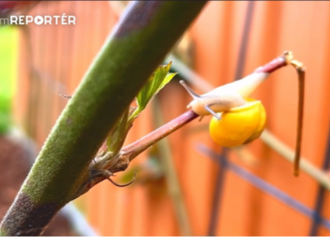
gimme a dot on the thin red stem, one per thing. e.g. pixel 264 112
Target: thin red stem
pixel 142 144
pixel 273 65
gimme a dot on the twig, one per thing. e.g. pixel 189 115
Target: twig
pixel 142 144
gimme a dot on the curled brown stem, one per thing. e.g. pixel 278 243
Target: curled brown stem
pixel 287 59
pixel 301 81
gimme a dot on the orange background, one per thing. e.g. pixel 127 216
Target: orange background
pixel 59 56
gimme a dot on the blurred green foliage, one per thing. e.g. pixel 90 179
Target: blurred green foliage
pixel 8 74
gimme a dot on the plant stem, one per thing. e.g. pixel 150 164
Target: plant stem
pixel 142 144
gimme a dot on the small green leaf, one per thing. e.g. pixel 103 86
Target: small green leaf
pixel 155 83
pixel 117 135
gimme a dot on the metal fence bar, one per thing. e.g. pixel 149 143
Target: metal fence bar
pixel 287 153
pixel 321 193
pixel 218 192
pixel 264 186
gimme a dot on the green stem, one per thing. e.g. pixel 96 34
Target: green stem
pixel 137 46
